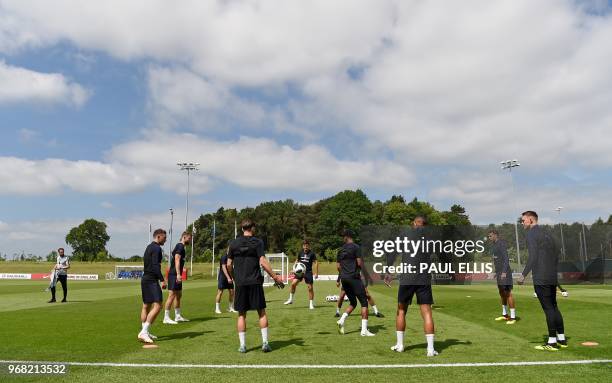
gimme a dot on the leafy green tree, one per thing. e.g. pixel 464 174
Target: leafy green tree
pixel 88 240
pixel 52 256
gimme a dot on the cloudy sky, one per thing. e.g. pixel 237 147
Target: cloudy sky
pixel 297 99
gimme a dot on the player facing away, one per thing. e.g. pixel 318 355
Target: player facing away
pixel 175 283
pixel 418 284
pixel 62 264
pixel 349 264
pixel 503 274
pixel 245 259
pixel 224 282
pixel 309 259
pixel 151 291
pixel 371 301
pixel 542 263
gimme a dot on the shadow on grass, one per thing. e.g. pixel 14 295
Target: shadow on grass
pixel 440 345
pixel 278 344
pixel 183 335
pixel 374 329
pixel 206 319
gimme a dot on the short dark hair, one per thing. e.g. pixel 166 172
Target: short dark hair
pixel 531 213
pixel 305 242
pixel 493 231
pixel 421 217
pixel 159 232
pixel 247 224
pixel 348 233
pixel 61 248
pixel 186 234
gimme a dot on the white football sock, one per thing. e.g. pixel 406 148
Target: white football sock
pixel 290 296
pixel 504 310
pixel 343 318
pixel 311 303
pixel 242 337
pixel 177 312
pixel 552 339
pixel 364 325
pixel 430 342
pixel 561 336
pixel 375 309
pixel 217 307
pixel 512 313
pixel 337 310
pixel 145 327
pixel 264 335
pixel 166 314
pixel 400 338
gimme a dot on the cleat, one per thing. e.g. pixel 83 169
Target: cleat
pixel 179 318
pixel 218 312
pixel 152 336
pixel 265 347
pixel 502 318
pixel 169 321
pixel 337 315
pixel 52 301
pixel 547 347
pixel 64 300
pixel 242 349
pixel 231 310
pixel 398 348
pixel 562 344
pixel 145 338
pixel 379 315
pixel 367 333
pixel 511 321
pixel 432 353
pixel 288 302
pixel 340 327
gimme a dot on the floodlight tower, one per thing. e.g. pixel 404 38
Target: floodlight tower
pixel 558 210
pixel 189 167
pixel 509 164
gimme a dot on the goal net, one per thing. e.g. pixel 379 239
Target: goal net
pixel 280 266
pixel 128 271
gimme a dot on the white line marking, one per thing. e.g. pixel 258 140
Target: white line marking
pixel 321 366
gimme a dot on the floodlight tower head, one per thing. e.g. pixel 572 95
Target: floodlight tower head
pixel 509 164
pixel 558 209
pixel 188 165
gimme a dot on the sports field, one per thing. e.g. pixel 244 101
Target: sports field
pixel 100 322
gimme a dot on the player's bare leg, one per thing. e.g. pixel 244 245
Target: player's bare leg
pixel 143 335
pixel 510 302
pixel 292 291
pixel 400 327
pixel 348 312
pixel 178 316
pixel 372 303
pixel 231 300
pixel 241 327
pixel 263 326
pixel 339 304
pixel 310 295
pixel 428 328
pixel 168 306
pixel 218 301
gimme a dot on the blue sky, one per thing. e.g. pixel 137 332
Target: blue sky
pixel 299 100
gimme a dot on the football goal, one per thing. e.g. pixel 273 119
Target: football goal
pixel 280 265
pixel 128 271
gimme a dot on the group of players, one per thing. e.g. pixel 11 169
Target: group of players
pixel 241 273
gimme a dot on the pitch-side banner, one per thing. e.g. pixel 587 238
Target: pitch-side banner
pixel 36 276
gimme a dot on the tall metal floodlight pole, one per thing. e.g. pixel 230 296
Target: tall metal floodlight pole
pixel 171 225
pixel 189 167
pixel 558 210
pixel 214 235
pixel 509 164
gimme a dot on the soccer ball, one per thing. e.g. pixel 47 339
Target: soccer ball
pixel 299 269
pixel 565 293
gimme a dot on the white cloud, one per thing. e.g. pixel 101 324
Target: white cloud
pixel 247 162
pixel 24 85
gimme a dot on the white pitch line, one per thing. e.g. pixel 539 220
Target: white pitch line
pixel 321 366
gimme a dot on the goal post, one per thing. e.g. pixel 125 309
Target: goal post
pixel 280 265
pixel 129 271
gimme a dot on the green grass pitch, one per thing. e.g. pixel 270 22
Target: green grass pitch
pixel 101 321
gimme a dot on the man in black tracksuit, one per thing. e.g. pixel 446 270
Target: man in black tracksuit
pixel 246 258
pixel 542 263
pixel 503 275
pixel 151 291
